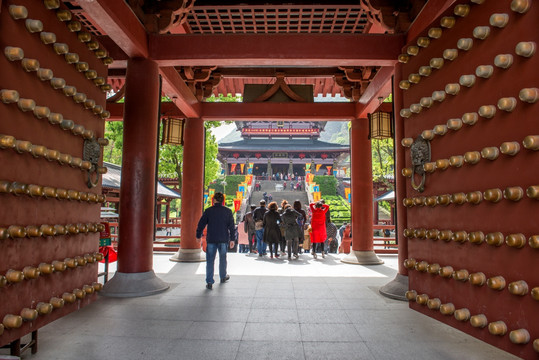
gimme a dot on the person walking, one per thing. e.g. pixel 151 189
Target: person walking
pixel 302 222
pixel 221 231
pixel 281 212
pixel 292 230
pixel 331 241
pixel 249 227
pixel 318 224
pixel 272 231
pixel 258 216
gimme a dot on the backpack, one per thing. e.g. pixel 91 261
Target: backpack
pixel 300 220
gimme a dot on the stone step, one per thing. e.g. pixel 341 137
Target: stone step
pixel 279 196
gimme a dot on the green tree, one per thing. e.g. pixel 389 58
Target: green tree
pixel 222 98
pixel 211 165
pixel 327 184
pixel 383 162
pixel 114 131
pixel 171 158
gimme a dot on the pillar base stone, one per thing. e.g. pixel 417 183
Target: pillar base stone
pixel 133 285
pixel 359 257
pixel 396 288
pixel 189 255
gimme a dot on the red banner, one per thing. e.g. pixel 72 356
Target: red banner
pixel 233 167
pixel 329 169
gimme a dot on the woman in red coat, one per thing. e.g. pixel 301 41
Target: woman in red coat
pixel 318 225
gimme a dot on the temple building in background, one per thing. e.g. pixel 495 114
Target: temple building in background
pixel 266 148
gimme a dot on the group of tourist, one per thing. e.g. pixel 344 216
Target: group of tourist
pixel 284 230
pixel 289 230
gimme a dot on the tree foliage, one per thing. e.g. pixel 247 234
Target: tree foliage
pixel 222 98
pixel 327 184
pixel 114 131
pixel 383 161
pixel 170 156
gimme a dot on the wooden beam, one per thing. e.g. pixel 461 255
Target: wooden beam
pixel 268 111
pixel 276 49
pixel 380 86
pixel 117 111
pixel 120 23
pixel 176 89
pixel 312 72
pixel 430 12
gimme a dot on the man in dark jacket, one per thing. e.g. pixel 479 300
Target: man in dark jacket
pixel 221 231
pixel 258 216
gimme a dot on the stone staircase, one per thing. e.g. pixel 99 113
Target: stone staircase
pixel 269 186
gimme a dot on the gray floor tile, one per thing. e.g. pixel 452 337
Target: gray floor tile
pixel 337 351
pixel 215 330
pixel 323 316
pixel 273 303
pixel 101 347
pixel 273 316
pixel 317 304
pixel 314 292
pixel 268 292
pixel 271 350
pixel 270 309
pixel 203 350
pixel 329 332
pixel 271 332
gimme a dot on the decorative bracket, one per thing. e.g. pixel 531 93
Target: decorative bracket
pixel 161 16
pixel 201 80
pixel 355 80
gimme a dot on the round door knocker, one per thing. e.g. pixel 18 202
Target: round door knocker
pixel 420 152
pixel 92 153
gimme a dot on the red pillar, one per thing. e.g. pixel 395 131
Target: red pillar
pixel 167 215
pixel 400 183
pixel 159 213
pixel 135 248
pixel 361 193
pixel 192 190
pixel 396 288
pixel 135 275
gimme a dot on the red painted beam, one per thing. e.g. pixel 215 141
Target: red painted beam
pixel 176 89
pixel 120 23
pixel 380 86
pixel 278 111
pixel 117 111
pixel 276 49
pixel 426 16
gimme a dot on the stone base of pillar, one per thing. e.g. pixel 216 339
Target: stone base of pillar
pixel 396 288
pixel 134 285
pixel 362 258
pixel 189 255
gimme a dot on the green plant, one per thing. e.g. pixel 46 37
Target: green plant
pixel 232 182
pixel 327 184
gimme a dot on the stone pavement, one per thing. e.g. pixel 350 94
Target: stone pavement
pixel 270 309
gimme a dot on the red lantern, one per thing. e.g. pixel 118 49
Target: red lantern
pixel 258 155
pixel 324 156
pixel 301 155
pixel 236 155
